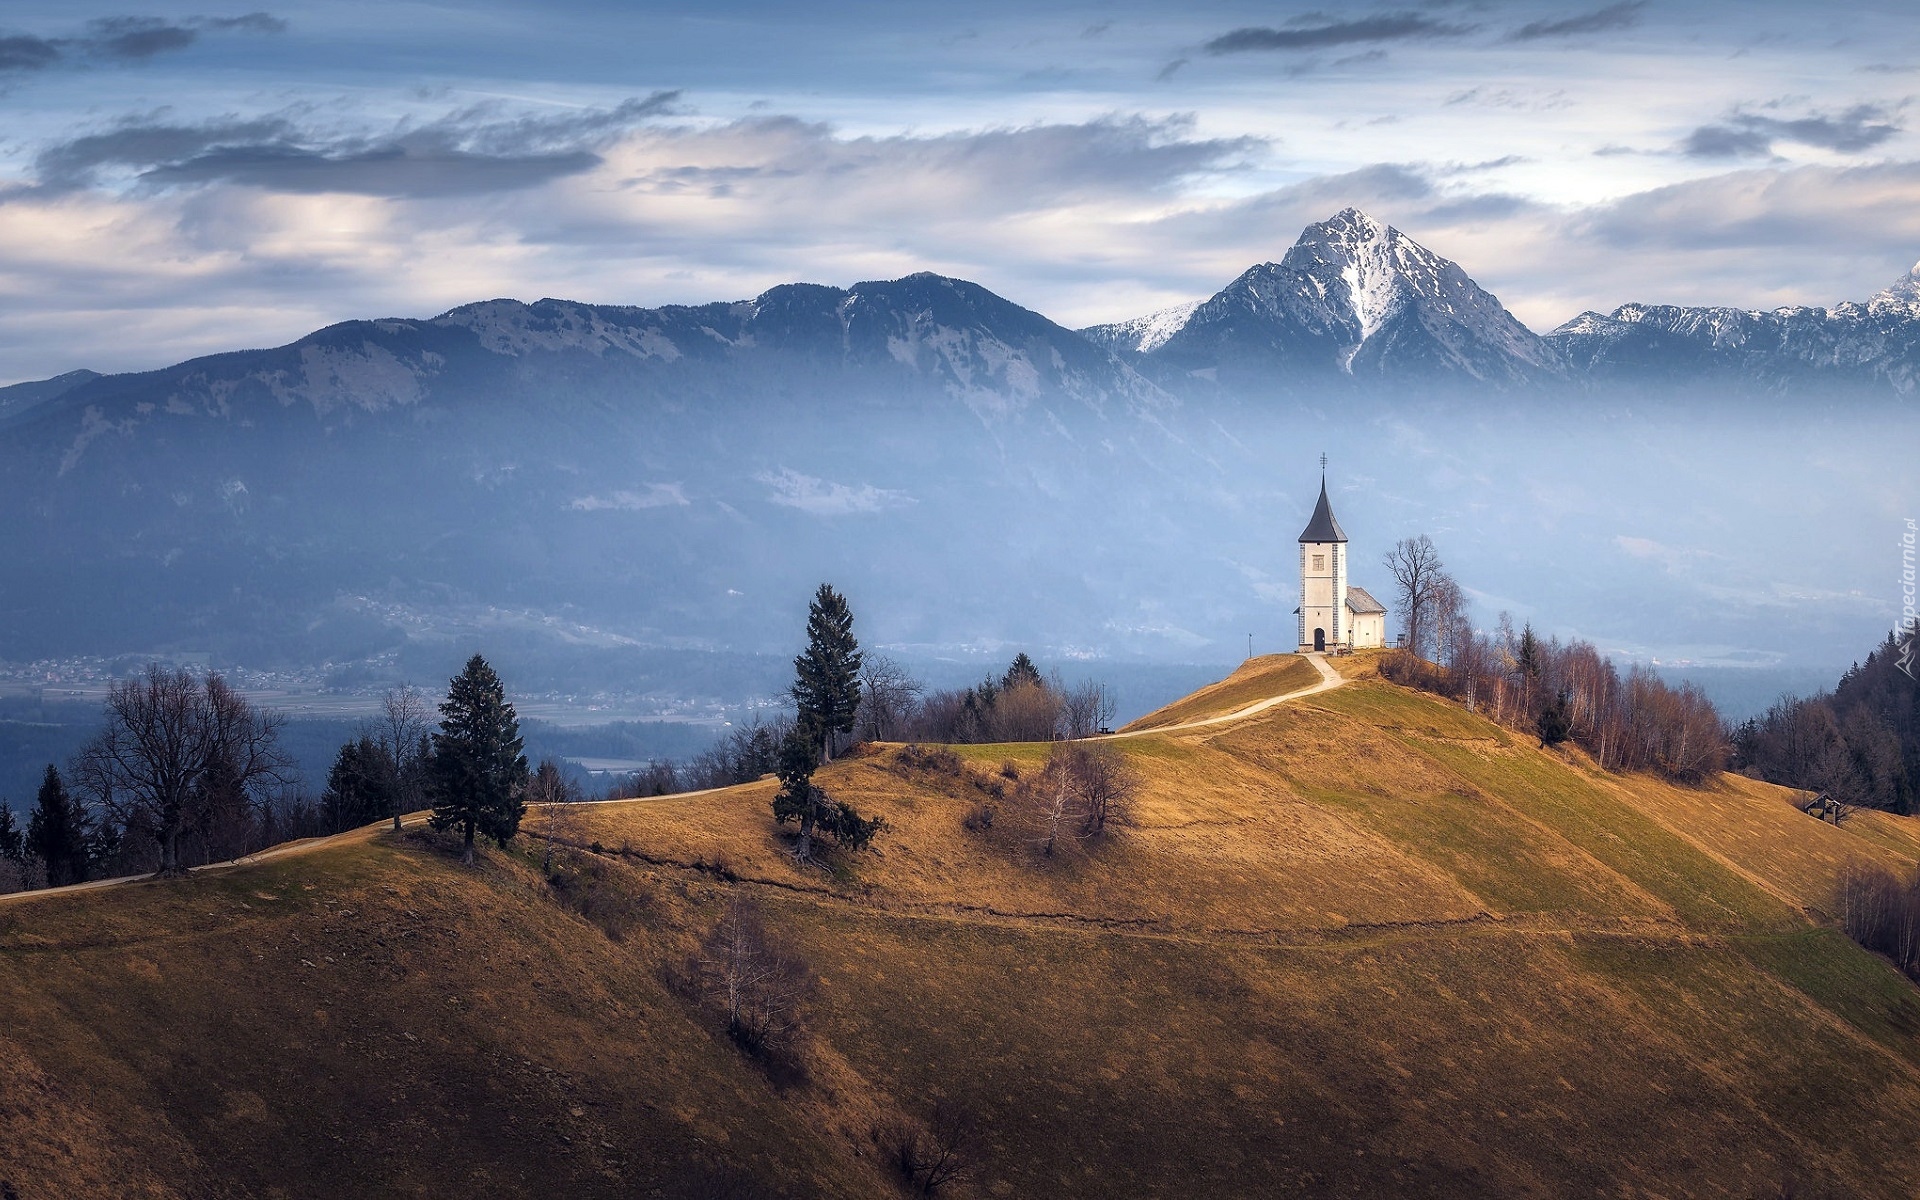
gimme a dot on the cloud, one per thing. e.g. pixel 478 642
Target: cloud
pixel 1522 99
pixel 657 495
pixel 130 39
pixel 797 166
pixel 1602 20
pixel 1388 27
pixel 1752 135
pixel 474 150
pixel 823 498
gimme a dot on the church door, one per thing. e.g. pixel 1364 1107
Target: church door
pixel 1319 639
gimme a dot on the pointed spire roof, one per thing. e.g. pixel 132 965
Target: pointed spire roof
pixel 1323 528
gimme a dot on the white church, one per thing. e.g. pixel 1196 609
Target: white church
pixel 1333 614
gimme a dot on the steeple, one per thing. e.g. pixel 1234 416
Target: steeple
pixel 1322 528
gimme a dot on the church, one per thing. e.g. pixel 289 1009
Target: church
pixel 1333 615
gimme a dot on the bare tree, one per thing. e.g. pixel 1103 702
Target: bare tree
pixel 1447 618
pixel 761 989
pixel 554 796
pixel 173 745
pixel 1088 707
pixel 1416 570
pixel 1099 776
pixel 404 724
pixel 930 1156
pixel 887 697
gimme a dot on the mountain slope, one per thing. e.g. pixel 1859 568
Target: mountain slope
pixel 489 458
pixel 1365 944
pixel 1351 297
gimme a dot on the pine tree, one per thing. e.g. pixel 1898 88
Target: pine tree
pixel 1021 672
pixel 13 845
pixel 797 799
pixel 1553 725
pixel 361 786
pixel 57 832
pixel 826 686
pixel 478 779
pixel 800 800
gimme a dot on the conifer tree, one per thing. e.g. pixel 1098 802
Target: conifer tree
pixel 13 846
pixel 57 832
pixel 361 785
pixel 799 799
pixel 1554 725
pixel 1022 672
pixel 826 686
pixel 478 777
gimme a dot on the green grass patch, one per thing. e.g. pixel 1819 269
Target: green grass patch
pixel 1702 891
pixel 1404 710
pixel 1860 988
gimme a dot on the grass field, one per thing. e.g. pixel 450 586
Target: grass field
pixel 1363 944
pixel 1260 678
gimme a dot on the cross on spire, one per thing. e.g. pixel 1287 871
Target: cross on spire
pixel 1323 462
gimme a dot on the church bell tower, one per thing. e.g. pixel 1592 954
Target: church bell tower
pixel 1323 577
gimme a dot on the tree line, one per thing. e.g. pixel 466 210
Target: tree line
pixel 1018 705
pixel 1858 744
pixel 185 771
pixel 1631 721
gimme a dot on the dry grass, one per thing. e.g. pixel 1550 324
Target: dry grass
pixel 1365 944
pixel 1255 680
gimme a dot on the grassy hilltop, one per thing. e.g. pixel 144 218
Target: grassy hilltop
pixel 1363 944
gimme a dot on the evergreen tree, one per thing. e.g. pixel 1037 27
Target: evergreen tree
pixel 1553 724
pixel 57 832
pixel 361 786
pixel 1527 658
pixel 478 778
pixel 13 846
pixel 799 799
pixel 1022 672
pixel 826 686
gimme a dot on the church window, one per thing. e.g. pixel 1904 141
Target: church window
pixel 1319 562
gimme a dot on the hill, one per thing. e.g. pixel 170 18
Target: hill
pixel 1363 943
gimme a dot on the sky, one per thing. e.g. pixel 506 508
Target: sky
pixel 178 180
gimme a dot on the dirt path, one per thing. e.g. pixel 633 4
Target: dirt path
pixel 1329 679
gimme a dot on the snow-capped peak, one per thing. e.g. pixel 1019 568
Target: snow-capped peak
pixel 1904 292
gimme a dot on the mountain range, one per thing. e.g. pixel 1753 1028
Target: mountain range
pixel 599 474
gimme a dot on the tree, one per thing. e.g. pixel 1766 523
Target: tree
pixel 1021 673
pixel 478 777
pixel 12 839
pixel 555 795
pixel 361 784
pixel 931 1156
pixel 800 799
pixel 57 832
pixel 887 696
pixel 1088 708
pixel 1415 567
pixel 403 732
pixel 1106 786
pixel 168 737
pixel 826 686
pixel 1553 725
pixel 760 988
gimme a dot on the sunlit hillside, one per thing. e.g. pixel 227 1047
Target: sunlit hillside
pixel 1364 943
